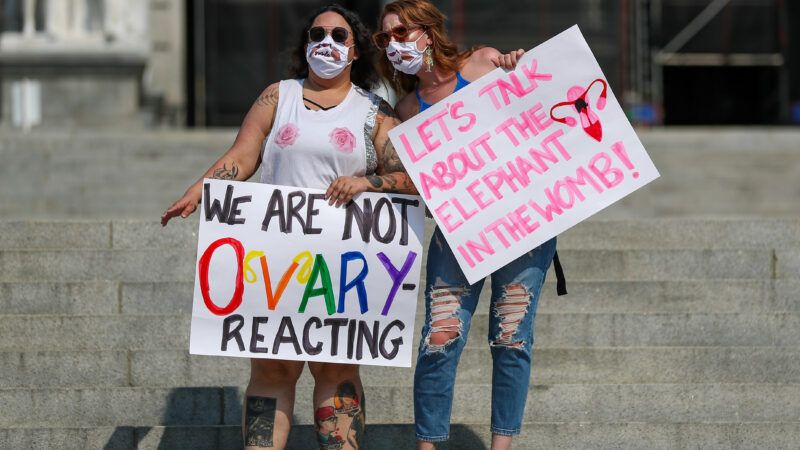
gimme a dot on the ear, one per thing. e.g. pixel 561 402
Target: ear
pixel 355 53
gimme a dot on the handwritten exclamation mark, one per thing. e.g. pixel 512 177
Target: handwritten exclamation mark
pixel 619 150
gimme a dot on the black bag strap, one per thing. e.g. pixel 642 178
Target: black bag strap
pixel 561 282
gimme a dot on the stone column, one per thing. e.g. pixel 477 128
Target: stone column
pixel 29 18
pixel 67 19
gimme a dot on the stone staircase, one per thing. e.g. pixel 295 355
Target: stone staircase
pixel 706 171
pixel 677 333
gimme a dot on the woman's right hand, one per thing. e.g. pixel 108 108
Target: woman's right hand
pixel 184 206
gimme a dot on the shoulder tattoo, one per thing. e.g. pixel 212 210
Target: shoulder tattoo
pixel 269 98
pixel 386 110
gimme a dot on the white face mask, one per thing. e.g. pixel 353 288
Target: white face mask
pixel 396 50
pixel 321 60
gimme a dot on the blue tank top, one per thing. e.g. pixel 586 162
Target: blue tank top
pixel 460 83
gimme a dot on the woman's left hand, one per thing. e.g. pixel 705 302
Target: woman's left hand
pixel 509 60
pixel 343 189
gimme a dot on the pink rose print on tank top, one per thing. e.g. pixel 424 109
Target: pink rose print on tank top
pixel 286 136
pixel 343 140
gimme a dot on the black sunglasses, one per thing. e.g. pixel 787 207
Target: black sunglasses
pixel 339 34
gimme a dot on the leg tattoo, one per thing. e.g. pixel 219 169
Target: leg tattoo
pixel 260 421
pixel 357 427
pixel 342 423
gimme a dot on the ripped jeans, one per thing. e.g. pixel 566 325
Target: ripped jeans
pixel 449 305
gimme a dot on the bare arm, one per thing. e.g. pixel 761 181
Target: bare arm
pixel 486 59
pixel 242 158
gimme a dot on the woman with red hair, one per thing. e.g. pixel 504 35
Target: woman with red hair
pixel 425 65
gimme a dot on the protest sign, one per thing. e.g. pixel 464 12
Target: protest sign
pixel 282 274
pixel 517 157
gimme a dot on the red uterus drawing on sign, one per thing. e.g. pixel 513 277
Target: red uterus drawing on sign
pixel 578 100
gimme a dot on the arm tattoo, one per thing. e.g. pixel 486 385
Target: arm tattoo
pixel 223 173
pixel 269 98
pixel 375 181
pixel 389 159
pixel 386 183
pixel 391 181
pixel 259 421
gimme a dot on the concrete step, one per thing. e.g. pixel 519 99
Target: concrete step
pixel 582 265
pixel 705 171
pixel 96 265
pixel 62 297
pixel 52 333
pixel 593 234
pixel 76 234
pixel 546 403
pixel 79 174
pixel 535 436
pixel 704 296
pixel 595 365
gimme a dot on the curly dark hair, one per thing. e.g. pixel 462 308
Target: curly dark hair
pixel 363 72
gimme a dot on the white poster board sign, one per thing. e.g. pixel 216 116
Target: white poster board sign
pixel 515 158
pixel 281 274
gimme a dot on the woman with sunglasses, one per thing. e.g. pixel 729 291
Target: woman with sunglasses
pixel 322 129
pixel 425 64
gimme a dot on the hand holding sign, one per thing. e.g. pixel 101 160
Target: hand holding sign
pixel 518 157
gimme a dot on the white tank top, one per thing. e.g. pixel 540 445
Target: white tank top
pixel 310 149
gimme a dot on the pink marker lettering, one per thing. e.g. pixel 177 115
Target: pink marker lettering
pixel 484 246
pixel 483 142
pixel 454 108
pixel 478 196
pixel 532 75
pixel 541 120
pixel 466 215
pixel 583 177
pixel 426 135
pixel 427 183
pixel 466 256
pixel 460 163
pixel 552 138
pixel 414 157
pixel 563 202
pixel 523 221
pixel 504 128
pixel 622 154
pixel 445 218
pixel 605 170
pixel 494 228
pixel 513 228
pixel 551 208
pixel 490 89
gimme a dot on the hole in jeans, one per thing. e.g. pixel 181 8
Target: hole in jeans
pixel 511 309
pixel 445 326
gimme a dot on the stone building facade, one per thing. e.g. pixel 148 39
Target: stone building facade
pixel 108 63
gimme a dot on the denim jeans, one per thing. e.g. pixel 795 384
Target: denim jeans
pixel 449 305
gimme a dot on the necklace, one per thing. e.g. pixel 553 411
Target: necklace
pixel 318 105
